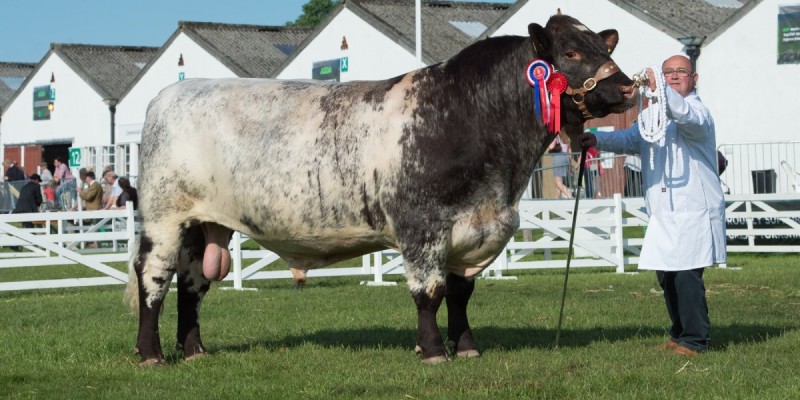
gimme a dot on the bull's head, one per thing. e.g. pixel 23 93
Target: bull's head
pixel 597 87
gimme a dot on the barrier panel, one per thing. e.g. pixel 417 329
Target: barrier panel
pixel 609 233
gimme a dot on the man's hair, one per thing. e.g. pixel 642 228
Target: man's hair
pixel 90 174
pixel 110 172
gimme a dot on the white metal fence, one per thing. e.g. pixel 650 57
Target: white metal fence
pixel 762 167
pixel 606 236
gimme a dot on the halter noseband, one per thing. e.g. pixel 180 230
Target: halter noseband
pixel 605 71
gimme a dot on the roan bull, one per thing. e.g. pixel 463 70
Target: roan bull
pixel 432 163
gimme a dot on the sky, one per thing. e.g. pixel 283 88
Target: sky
pixel 27 27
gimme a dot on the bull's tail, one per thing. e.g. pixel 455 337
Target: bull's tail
pixel 131 297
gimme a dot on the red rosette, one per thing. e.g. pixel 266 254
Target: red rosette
pixel 556 85
pixel 557 82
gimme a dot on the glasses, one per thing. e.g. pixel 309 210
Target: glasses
pixel 682 72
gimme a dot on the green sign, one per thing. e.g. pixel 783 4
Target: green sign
pixel 789 34
pixel 74 157
pixel 326 70
pixel 344 64
pixel 41 100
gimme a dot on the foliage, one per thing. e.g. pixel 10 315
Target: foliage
pixel 339 340
pixel 314 12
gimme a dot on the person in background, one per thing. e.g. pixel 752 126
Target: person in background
pixel 66 183
pixel 45 173
pixel 686 231
pixel 13 173
pixel 92 192
pixel 557 150
pixel 129 193
pixel 30 198
pixel 49 195
pixel 111 179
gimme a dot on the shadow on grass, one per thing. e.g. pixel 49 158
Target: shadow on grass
pixel 494 338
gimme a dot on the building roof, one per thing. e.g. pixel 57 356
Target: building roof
pixel 250 51
pixel 109 70
pixel 688 18
pixel 447 26
pixel 700 19
pixel 12 75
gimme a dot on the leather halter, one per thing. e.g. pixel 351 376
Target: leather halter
pixel 605 70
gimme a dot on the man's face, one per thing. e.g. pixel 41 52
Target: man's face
pixel 108 179
pixel 678 74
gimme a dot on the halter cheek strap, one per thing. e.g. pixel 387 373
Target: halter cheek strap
pixel 579 94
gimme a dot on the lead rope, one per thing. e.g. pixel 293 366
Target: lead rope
pixel 654 127
pixel 577 196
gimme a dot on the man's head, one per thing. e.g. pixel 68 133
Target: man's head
pixel 35 178
pixel 679 75
pixel 82 174
pixel 90 175
pixel 110 177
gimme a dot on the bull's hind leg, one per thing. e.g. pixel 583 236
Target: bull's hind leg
pixel 192 287
pixel 154 267
pixel 457 295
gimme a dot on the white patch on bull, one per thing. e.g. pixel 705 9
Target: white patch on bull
pixel 478 236
pixel 279 167
pixel 582 28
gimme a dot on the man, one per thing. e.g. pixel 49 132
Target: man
pixel 30 198
pixel 13 173
pixel 111 179
pixel 686 232
pixel 91 192
pixel 65 193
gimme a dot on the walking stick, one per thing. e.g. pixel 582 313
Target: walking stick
pixel 581 168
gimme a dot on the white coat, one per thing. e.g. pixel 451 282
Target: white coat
pixel 682 189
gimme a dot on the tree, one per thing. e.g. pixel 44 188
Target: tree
pixel 314 12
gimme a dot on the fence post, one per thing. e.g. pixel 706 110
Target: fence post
pixel 130 225
pixel 237 260
pixel 619 236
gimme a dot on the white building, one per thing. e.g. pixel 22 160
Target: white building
pixel 201 50
pixel 68 101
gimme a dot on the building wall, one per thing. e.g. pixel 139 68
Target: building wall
pixel 80 117
pixel 640 44
pixel 752 98
pixel 371 54
pixel 198 63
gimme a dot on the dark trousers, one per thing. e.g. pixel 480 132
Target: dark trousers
pixel 685 296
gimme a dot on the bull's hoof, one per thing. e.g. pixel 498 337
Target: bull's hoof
pixel 195 356
pixel 153 362
pixel 468 353
pixel 436 359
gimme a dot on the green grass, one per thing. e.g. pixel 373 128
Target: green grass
pixel 338 340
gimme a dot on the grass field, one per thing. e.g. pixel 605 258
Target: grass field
pixel 339 340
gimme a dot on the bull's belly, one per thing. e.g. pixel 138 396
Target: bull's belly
pixel 478 238
pixel 317 251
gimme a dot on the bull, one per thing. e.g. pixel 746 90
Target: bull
pixel 431 163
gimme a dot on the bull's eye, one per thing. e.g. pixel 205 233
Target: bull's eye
pixel 571 55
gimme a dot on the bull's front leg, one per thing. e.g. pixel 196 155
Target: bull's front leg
pixel 424 263
pixel 457 294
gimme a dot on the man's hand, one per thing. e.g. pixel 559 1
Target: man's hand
pixel 587 140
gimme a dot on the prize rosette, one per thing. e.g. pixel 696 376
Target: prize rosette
pixel 557 84
pixel 537 73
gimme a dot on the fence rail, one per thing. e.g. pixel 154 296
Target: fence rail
pixel 606 236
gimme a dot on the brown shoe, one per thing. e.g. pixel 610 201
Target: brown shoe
pixel 668 345
pixel 684 351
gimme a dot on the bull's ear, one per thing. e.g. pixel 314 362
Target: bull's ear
pixel 541 41
pixel 611 38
